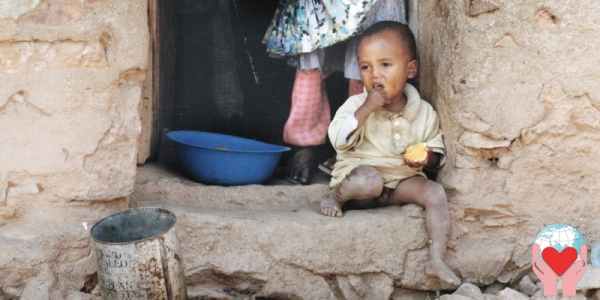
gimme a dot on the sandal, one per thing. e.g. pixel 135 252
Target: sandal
pixel 325 169
pixel 294 164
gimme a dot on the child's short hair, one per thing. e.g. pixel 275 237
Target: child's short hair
pixel 405 34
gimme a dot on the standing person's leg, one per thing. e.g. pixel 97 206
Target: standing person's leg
pixel 355 87
pixel 307 124
pixel 432 196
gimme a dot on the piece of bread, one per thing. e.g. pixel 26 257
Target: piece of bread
pixel 416 153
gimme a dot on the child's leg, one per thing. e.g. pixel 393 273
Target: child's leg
pixel 362 185
pixel 308 121
pixel 432 196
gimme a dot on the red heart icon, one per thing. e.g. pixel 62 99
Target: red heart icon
pixel 559 262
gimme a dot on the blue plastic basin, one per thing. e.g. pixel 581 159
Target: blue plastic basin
pixel 224 159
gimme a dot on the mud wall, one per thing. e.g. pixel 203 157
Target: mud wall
pixel 515 83
pixel 71 76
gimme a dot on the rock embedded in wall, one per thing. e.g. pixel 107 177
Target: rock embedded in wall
pixel 476 7
pixel 288 282
pixel 6 213
pixel 527 286
pixel 544 19
pixel 13 9
pixel 507 41
pixel 510 294
pixel 454 297
pixel 365 286
pixel 469 290
pixel 60 12
pixel 22 57
pixel 480 141
pixel 406 294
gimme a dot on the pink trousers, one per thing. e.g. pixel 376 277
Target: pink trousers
pixel 310 114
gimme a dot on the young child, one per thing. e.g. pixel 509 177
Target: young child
pixel 317 38
pixel 371 132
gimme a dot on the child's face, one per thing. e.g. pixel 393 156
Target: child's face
pixel 385 64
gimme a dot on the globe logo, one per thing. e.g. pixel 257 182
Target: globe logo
pixel 559 251
pixel 559 237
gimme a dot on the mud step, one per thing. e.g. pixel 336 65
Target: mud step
pixel 237 238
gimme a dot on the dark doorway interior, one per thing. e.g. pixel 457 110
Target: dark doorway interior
pixel 222 78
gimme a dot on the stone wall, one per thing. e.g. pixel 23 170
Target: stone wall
pixel 71 74
pixel 516 86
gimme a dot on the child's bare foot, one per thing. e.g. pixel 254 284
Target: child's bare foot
pixel 298 168
pixel 437 268
pixel 330 207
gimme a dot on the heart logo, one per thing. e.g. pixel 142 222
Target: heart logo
pixel 559 262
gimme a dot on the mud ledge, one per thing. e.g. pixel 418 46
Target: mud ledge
pixel 269 240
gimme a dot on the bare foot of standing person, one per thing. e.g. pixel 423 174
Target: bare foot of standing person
pixel 327 166
pixel 299 167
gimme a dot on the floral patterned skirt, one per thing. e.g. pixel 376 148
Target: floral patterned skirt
pixel 303 26
pixel 334 57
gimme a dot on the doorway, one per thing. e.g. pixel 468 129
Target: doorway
pixel 210 71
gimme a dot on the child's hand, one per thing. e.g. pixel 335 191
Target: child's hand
pixel 376 99
pixel 418 164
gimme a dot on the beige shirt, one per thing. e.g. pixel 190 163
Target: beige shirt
pixel 383 140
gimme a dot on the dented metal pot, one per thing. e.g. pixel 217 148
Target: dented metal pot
pixel 137 253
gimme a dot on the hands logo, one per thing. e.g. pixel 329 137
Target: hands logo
pixel 559 250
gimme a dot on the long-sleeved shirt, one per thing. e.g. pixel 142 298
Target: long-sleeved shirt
pixel 382 141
